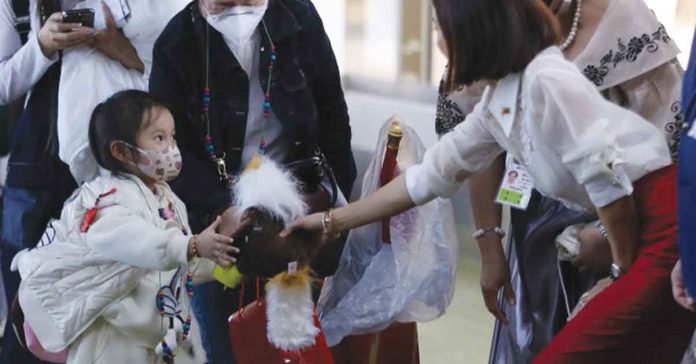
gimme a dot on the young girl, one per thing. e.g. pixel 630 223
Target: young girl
pixel 578 149
pixel 115 281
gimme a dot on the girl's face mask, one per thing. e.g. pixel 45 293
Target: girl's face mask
pixel 162 165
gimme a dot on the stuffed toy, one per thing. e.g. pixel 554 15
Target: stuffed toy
pixel 269 197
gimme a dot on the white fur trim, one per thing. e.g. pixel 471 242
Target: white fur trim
pixel 273 189
pixel 290 314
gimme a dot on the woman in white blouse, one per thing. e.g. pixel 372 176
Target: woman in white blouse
pixel 578 148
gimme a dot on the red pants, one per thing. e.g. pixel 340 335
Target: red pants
pixel 635 320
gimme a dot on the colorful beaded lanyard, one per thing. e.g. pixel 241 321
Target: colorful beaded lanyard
pixel 219 159
pixel 167 300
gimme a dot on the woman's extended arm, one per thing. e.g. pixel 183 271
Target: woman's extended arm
pixel 468 149
pixel 387 201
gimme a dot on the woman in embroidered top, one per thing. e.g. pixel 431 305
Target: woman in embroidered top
pixel 578 148
pixel 115 281
pixel 621 47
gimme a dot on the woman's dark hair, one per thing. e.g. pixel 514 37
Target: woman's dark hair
pixel 489 39
pixel 120 117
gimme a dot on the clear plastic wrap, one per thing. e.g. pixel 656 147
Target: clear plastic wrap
pixel 410 280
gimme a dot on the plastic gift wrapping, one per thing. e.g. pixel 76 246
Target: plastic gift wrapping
pixel 410 280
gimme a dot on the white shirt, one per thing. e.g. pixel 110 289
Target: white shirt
pixel 20 66
pixel 578 147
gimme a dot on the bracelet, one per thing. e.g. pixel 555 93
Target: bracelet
pixel 194 248
pixel 602 230
pixel 326 220
pixel 481 232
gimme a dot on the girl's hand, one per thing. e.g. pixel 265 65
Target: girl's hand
pixel 56 35
pixel 113 44
pixel 589 295
pixel 216 247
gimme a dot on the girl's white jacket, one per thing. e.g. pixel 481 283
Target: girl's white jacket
pixel 95 292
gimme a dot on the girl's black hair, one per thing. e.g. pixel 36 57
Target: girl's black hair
pixel 119 118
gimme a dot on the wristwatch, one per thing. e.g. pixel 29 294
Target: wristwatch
pixel 616 271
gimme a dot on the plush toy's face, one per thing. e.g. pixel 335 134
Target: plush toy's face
pixel 264 254
pixel 270 197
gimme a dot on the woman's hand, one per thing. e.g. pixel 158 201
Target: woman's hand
pixel 310 223
pixel 589 295
pixel 495 273
pixel 595 251
pixel 55 35
pixel 113 44
pixel 679 290
pixel 214 246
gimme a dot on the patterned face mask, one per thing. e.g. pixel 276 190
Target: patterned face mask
pixel 162 165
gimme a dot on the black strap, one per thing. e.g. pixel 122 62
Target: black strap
pixel 22 21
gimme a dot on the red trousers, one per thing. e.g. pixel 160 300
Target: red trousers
pixel 635 320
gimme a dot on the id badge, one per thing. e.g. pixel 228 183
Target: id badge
pixel 517 185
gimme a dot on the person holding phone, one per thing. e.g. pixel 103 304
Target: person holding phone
pixel 32 37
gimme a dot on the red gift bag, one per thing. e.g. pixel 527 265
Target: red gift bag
pixel 247 328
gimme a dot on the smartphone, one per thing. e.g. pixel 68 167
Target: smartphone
pixel 79 16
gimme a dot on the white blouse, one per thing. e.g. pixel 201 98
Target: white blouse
pixel 20 66
pixel 578 147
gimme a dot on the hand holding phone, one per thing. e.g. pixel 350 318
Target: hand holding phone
pixel 56 34
pixel 84 17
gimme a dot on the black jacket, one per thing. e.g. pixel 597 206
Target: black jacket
pixel 306 95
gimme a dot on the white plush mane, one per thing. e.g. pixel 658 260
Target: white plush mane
pixel 271 188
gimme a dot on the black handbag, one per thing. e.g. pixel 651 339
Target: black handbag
pixel 311 172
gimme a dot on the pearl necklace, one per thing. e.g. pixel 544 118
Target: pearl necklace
pixel 573 28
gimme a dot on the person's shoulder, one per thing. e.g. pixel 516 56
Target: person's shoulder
pixel 111 187
pixel 549 60
pixel 550 67
pixel 178 30
pixel 303 10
